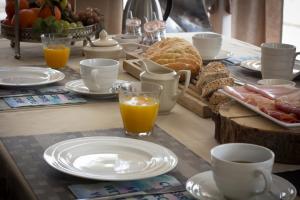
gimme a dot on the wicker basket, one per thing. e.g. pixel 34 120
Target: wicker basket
pixel 27 34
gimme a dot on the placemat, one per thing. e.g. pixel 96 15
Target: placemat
pixel 39 93
pixel 48 183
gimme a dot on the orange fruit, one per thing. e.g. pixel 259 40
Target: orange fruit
pixel 27 18
pixel 10 7
pixel 46 12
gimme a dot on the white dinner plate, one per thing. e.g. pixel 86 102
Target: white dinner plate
pixel 29 76
pixel 202 186
pixel 257 110
pixel 221 56
pixel 255 65
pixel 79 87
pixel 110 158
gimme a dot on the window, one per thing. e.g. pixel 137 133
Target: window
pixel 291 23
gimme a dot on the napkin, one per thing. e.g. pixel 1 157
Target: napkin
pixel 113 188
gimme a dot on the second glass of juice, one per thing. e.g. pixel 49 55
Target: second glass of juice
pixel 139 105
pixel 56 49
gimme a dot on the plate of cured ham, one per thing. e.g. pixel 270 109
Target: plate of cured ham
pixel 281 104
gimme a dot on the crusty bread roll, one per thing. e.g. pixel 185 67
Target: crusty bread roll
pixel 175 53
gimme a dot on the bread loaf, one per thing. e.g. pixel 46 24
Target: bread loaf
pixel 175 53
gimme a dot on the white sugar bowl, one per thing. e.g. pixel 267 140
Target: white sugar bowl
pixel 103 48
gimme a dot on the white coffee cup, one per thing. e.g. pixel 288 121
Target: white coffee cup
pixel 99 74
pixel 208 44
pixel 278 60
pixel 242 170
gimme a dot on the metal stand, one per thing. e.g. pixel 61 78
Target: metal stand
pixel 16 43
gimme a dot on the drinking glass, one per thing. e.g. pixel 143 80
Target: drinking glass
pixel 139 105
pixel 56 49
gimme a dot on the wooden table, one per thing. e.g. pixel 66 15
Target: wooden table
pixel 194 132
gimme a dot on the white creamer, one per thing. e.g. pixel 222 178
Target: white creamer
pixel 169 79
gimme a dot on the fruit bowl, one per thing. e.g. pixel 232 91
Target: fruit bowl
pixel 27 34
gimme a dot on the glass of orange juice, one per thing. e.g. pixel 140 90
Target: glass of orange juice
pixel 56 49
pixel 139 105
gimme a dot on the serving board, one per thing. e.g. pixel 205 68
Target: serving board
pixel 236 123
pixel 190 100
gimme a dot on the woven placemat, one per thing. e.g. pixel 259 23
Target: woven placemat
pixel 48 183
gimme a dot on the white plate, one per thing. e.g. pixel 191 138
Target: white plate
pixel 110 158
pixel 257 110
pixel 29 76
pixel 202 186
pixel 221 56
pixel 78 86
pixel 255 65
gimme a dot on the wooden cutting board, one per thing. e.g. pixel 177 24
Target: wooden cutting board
pixel 190 100
pixel 236 123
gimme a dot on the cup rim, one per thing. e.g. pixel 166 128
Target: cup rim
pixel 212 153
pixel 275 46
pixel 140 82
pixel 87 62
pixel 207 35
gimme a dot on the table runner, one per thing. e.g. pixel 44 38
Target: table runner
pixel 48 183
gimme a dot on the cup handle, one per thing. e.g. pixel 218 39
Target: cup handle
pixel 297 54
pixel 267 178
pixel 187 74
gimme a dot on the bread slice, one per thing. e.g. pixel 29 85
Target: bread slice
pixel 207 77
pixel 218 98
pixel 210 87
pixel 213 67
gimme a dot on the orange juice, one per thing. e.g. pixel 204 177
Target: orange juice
pixel 56 56
pixel 139 114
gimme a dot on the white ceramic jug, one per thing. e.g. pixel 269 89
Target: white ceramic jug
pixel 169 79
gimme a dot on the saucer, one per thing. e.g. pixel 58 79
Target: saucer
pixel 221 56
pixel 255 65
pixel 281 82
pixel 202 186
pixel 79 87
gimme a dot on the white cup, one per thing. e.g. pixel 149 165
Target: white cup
pixel 278 60
pixel 242 170
pixel 208 44
pixel 99 74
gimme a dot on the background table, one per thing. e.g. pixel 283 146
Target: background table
pixel 194 132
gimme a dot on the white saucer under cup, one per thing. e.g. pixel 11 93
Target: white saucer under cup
pixel 203 187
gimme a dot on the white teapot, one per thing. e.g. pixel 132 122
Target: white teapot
pixel 169 79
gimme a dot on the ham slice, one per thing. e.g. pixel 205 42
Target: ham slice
pixel 289 103
pixel 258 90
pixel 271 100
pixel 232 91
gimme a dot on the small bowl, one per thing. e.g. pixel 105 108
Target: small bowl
pixel 269 82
